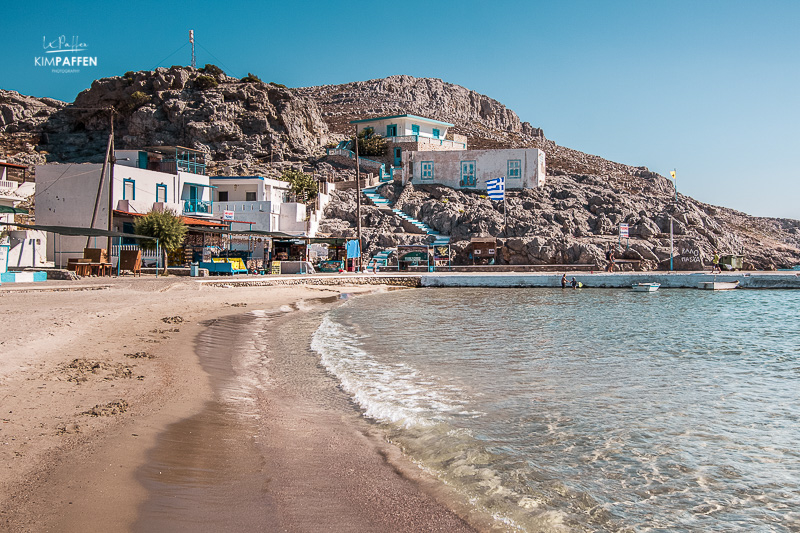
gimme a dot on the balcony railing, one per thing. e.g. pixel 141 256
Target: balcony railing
pixel 197 206
pixel 172 166
pixel 427 140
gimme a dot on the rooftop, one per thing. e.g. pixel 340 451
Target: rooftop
pixel 415 117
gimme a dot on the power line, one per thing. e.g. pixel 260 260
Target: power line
pixel 172 54
pixel 218 59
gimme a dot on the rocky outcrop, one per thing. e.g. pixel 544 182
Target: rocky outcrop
pixel 572 221
pixel 246 123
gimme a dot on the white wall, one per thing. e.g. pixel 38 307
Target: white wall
pixel 28 248
pixel 65 196
pixel 489 164
pixel 293 218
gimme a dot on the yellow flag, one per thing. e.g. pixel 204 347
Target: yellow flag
pixel 672 173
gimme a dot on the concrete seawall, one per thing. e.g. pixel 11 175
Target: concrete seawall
pixel 688 280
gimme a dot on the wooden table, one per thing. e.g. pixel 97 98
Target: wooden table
pixel 93 269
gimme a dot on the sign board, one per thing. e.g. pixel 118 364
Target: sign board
pixel 206 254
pixel 623 231
pixel 275 267
pixel 227 215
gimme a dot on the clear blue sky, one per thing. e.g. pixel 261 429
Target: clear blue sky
pixel 709 88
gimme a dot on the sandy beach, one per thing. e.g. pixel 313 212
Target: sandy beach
pixel 123 408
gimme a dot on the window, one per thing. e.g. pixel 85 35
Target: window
pixel 468 174
pixel 514 169
pixel 426 168
pixel 435 133
pixel 222 196
pixel 391 130
pixel 128 189
pixel 161 192
pixel 414 129
pixel 250 196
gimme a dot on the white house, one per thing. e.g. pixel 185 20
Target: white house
pixel 405 133
pixel 256 202
pixel 66 193
pixel 523 168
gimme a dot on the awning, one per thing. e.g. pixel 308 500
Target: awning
pixel 15 210
pixel 200 185
pixel 82 232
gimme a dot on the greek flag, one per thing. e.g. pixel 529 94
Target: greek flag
pixel 496 188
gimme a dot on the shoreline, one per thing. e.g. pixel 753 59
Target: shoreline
pixel 69 471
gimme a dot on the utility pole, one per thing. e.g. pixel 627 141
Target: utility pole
pixel 101 182
pixel 112 160
pixel 358 199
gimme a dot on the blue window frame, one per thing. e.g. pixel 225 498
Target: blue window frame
pixel 161 192
pixel 128 189
pixel 414 129
pixel 514 169
pixel 435 133
pixel 391 130
pixel 426 169
pixel 468 174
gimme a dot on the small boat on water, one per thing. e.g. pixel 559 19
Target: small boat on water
pixel 718 285
pixel 645 287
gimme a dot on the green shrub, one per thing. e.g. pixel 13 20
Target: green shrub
pixel 212 70
pixel 278 85
pixel 252 78
pixel 370 143
pixel 205 82
pixel 303 185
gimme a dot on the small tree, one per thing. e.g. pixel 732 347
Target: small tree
pixel 252 78
pixel 165 226
pixel 370 143
pixel 302 185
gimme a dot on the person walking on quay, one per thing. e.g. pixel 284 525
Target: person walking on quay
pixel 715 263
pixel 564 281
pixel 610 266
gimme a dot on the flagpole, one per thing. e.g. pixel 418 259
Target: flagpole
pixel 671 249
pixel 505 209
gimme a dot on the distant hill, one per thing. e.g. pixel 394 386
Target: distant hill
pixel 254 127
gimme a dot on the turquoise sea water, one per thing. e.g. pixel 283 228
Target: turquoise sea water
pixel 587 410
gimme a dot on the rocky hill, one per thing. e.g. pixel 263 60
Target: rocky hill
pixel 253 127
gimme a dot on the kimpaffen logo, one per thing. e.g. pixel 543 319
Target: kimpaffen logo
pixel 64 54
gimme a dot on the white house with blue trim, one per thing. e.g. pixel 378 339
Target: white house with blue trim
pixel 407 133
pixel 66 193
pixel 523 168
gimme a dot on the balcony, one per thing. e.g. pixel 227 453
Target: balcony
pixel 197 207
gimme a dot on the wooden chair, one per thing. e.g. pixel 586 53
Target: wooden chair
pixel 131 260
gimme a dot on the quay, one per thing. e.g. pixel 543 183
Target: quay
pixel 668 280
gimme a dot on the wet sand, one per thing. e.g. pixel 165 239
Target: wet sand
pixel 190 438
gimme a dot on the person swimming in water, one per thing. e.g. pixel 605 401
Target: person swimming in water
pixel 564 281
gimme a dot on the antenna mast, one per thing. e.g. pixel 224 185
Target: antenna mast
pixel 191 40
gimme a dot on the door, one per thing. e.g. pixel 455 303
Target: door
pixel 398 156
pixel 194 199
pixel 468 173
pixel 391 130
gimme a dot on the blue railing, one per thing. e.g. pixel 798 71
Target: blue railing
pixel 196 206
